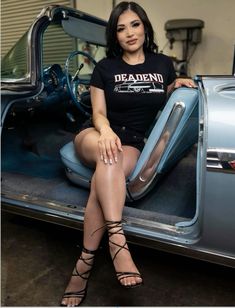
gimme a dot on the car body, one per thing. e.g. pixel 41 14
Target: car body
pixel 189 211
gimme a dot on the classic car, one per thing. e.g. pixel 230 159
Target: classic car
pixel 181 195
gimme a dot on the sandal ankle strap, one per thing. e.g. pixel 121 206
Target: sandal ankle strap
pixel 114 227
pixel 90 252
pixel 110 224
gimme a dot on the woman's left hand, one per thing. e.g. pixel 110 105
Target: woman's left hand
pixel 187 82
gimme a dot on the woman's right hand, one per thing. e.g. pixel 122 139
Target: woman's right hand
pixel 109 145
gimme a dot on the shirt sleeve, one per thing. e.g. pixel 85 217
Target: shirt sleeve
pixel 97 79
pixel 171 72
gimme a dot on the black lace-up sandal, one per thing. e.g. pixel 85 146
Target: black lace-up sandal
pixel 115 227
pixel 81 293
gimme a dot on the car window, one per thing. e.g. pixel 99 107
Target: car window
pixel 55 46
pixel 14 64
pixel 58 45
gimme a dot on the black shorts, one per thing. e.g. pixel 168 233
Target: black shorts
pixel 127 136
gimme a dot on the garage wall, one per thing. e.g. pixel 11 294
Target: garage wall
pixel 214 55
pixel 100 8
pixel 17 16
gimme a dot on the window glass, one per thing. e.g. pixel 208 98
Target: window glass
pixel 14 64
pixel 58 45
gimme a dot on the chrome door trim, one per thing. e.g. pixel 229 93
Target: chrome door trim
pixel 139 185
pixel 68 219
pixel 221 160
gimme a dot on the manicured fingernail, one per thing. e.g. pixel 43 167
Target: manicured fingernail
pixel 110 161
pixel 101 157
pixel 115 159
pixel 105 161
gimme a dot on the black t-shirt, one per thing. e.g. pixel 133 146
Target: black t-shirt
pixel 134 93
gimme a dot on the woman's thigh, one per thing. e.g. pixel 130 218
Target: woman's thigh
pixel 86 145
pixel 130 158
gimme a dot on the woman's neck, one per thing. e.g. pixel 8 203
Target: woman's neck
pixel 135 58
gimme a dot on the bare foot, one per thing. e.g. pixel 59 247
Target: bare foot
pixel 76 288
pixel 127 272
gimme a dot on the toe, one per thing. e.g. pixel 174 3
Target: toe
pixel 130 281
pixel 64 302
pixel 124 281
pixel 139 280
pixel 71 302
pixel 77 301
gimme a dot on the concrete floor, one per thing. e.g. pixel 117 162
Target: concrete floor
pixel 37 259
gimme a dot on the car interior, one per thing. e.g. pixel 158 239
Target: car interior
pixel 38 157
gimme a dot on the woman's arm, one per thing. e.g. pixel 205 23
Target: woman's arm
pixel 99 112
pixel 109 143
pixel 187 82
pixel 179 82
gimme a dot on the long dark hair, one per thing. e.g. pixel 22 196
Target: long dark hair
pixel 113 47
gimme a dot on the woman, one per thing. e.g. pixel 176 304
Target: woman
pixel 127 90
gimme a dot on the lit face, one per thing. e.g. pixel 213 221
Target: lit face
pixel 130 32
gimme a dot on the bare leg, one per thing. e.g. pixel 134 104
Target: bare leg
pixel 93 220
pixel 106 202
pixel 111 193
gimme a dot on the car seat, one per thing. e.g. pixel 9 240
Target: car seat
pixel 174 132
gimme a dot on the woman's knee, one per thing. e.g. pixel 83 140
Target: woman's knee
pixel 86 145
